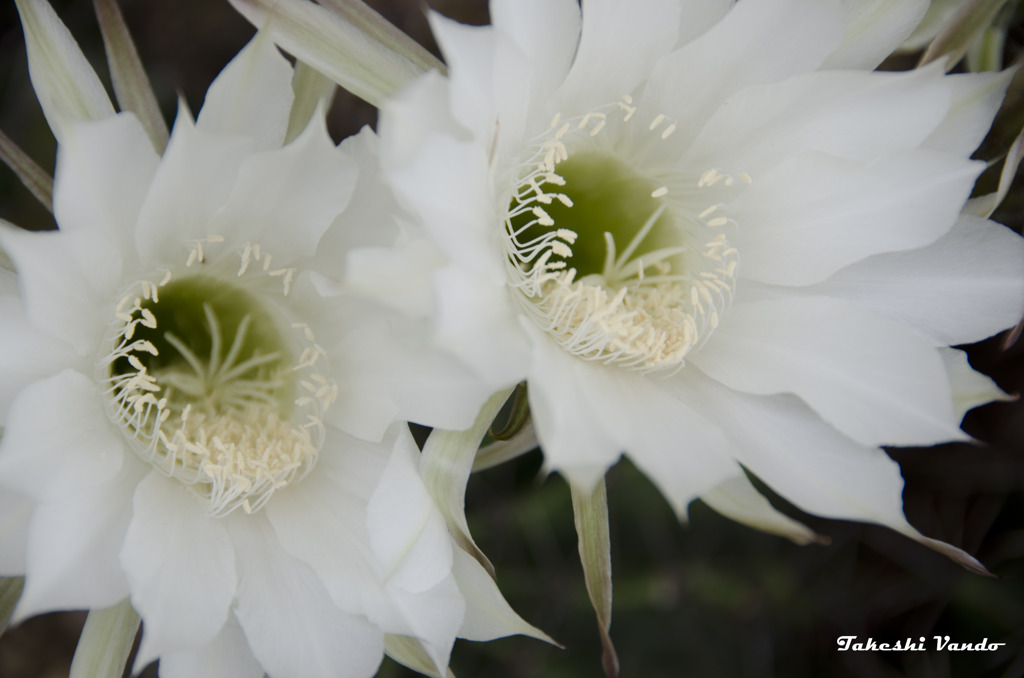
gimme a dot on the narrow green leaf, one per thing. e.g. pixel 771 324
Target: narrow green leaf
pixel 409 652
pixel 131 84
pixel 10 594
pixel 106 642
pixel 312 88
pixel 969 22
pixel 360 15
pixel 32 175
pixel 445 465
pixel 590 511
pixel 344 53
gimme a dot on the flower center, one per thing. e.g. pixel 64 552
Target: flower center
pixel 203 383
pixel 618 263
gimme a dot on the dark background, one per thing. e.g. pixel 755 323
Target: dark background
pixel 709 599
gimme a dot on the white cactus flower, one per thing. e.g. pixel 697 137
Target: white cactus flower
pixel 711 238
pixel 193 419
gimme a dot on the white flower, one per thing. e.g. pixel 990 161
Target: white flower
pixel 192 419
pixel 710 238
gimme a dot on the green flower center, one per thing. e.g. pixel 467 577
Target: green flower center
pixel 203 382
pixel 608 259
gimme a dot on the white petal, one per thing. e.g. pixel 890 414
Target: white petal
pixel 970 389
pixel 180 566
pixel 619 42
pixel 58 441
pixel 65 84
pixel 967 286
pixel 103 173
pixel 407 532
pixel 811 465
pixel 815 214
pixel 805 460
pixel 683 453
pixel 65 279
pixel 477 321
pixel 322 520
pixel 290 623
pixel 737 498
pixel 433 616
pixel 571 427
pixel 488 615
pixel 252 96
pixel 850 114
pixel 454 204
pixel 393 373
pixel 874 29
pixel 397 276
pixel 546 32
pixel 227 656
pixel 698 16
pixel 756 42
pixel 469 52
pixel 72 557
pixel 26 354
pixel 15 511
pixel 976 98
pixel 192 183
pixel 285 199
pixel 872 378
pixel 587 414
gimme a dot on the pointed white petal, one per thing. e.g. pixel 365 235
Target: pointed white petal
pixel 26 354
pixel 976 98
pixel 967 286
pixel 546 32
pixel 291 625
pixel 227 656
pixel 181 567
pixel 874 29
pixel 407 532
pixel 754 44
pixel 809 463
pixel 65 280
pixel 587 414
pixel 200 165
pixel 455 203
pixel 322 520
pixel 58 441
pixel 252 96
pixel 815 214
pixel 103 173
pixel 478 322
pixel 488 614
pixel 698 16
pixel 873 379
pixel 850 114
pixel 304 185
pixel 970 389
pixel 619 42
pixel 65 84
pixel 394 373
pixel 737 498
pixel 72 557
